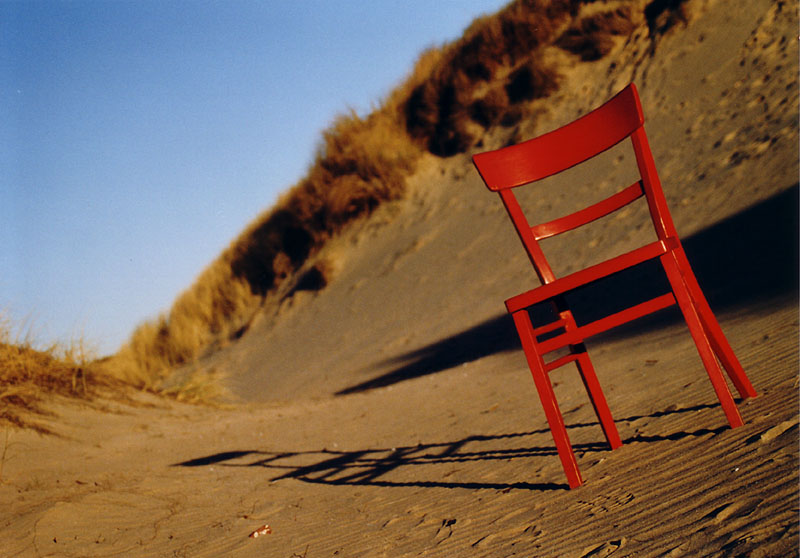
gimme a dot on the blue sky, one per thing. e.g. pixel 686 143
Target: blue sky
pixel 138 138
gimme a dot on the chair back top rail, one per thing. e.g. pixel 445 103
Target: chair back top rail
pixel 564 147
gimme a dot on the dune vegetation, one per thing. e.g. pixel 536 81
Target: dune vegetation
pixel 453 96
pixel 27 374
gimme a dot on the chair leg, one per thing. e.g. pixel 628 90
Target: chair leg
pixel 597 397
pixel 554 419
pixel 698 332
pixel 589 377
pixel 718 340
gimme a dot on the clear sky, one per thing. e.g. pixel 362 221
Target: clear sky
pixel 138 138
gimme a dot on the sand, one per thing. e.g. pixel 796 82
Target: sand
pixel 392 413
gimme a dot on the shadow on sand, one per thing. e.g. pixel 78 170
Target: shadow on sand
pixel 749 257
pixel 367 466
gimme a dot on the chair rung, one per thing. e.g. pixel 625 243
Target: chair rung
pixel 590 274
pixel 547 328
pixel 559 362
pixel 609 322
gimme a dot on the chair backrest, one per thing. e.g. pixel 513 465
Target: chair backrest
pixel 621 117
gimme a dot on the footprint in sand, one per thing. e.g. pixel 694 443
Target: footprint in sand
pixel 605 549
pixel 772 433
pixel 605 502
pixel 733 509
pixel 529 533
pixel 445 531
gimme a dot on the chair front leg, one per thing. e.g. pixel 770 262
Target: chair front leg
pixel 701 341
pixel 555 420
pixel 717 338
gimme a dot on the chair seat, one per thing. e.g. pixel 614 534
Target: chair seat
pixel 590 274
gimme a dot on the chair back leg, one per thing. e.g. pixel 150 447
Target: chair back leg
pixel 589 377
pixel 596 396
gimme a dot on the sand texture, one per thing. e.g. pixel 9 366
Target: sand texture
pixel 392 413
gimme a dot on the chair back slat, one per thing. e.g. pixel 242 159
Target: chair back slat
pixel 589 214
pixel 565 147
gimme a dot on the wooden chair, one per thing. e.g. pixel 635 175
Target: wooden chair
pixel 505 169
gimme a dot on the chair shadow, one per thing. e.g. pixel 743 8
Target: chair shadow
pixel 750 257
pixel 365 467
pixel 496 335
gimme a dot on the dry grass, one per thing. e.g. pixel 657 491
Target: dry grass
pixel 593 37
pixel 453 95
pixel 30 376
pixel 27 374
pixel 498 55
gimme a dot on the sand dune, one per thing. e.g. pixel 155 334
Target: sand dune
pixel 392 414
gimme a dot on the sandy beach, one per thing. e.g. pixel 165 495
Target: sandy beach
pixel 392 412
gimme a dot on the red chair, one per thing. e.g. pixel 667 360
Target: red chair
pixel 505 169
